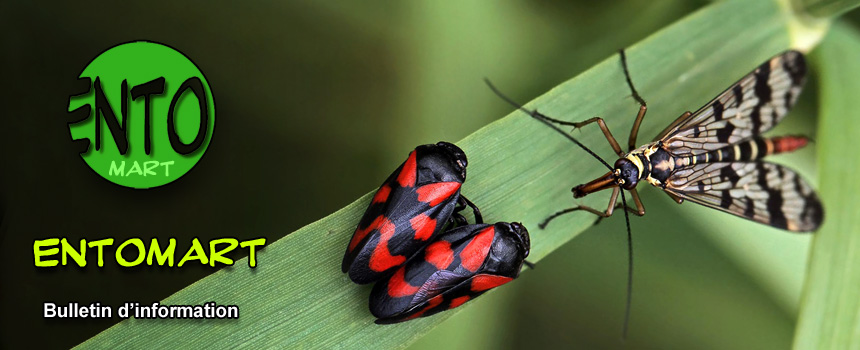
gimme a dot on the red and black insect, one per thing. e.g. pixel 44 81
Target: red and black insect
pixel 460 265
pixel 419 200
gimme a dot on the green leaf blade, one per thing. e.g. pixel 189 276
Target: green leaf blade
pixel 519 171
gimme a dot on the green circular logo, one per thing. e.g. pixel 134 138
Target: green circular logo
pixel 147 117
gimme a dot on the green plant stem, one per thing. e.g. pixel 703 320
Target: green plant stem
pixel 826 8
pixel 830 309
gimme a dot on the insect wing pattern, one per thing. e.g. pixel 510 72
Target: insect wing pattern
pixel 461 265
pixel 410 208
pixel 717 149
pixel 750 107
pixel 764 192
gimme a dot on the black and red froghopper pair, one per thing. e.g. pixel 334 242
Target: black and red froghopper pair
pixel 425 256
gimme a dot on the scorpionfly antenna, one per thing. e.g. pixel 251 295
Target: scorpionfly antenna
pixel 546 120
pixel 549 122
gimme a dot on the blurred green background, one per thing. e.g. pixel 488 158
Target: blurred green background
pixel 316 103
